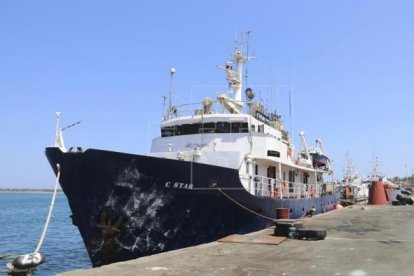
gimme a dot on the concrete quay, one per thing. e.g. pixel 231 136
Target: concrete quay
pixel 376 240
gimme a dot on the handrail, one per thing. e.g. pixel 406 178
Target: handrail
pixel 190 109
pixel 277 188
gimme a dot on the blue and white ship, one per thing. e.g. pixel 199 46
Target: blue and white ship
pixel 223 168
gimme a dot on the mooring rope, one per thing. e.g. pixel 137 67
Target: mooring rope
pixel 253 212
pixel 28 263
pixel 52 204
pixel 244 207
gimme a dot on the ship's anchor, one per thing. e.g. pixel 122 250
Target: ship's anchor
pixel 108 228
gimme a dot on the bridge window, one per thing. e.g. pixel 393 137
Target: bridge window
pixel 208 128
pixel 223 127
pixel 237 127
pixel 187 129
pixel 212 127
pixel 273 153
pixel 167 131
pixel 178 130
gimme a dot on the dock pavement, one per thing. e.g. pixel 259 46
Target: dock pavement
pixel 371 240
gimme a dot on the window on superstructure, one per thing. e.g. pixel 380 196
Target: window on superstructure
pixel 244 128
pixel 186 128
pixel 235 127
pixel 208 128
pixel 178 130
pixel 167 131
pixel 223 127
pixel 211 127
pixel 195 128
pixel 273 153
pixel 238 127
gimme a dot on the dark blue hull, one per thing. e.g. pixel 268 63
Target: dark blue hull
pixel 127 206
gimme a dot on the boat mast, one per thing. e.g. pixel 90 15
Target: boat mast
pixel 349 171
pixel 172 71
pixel 235 79
pixel 375 170
pixel 59 143
pixel 246 75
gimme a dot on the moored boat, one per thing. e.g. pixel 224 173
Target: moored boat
pixel 353 188
pixel 222 169
pixel 319 158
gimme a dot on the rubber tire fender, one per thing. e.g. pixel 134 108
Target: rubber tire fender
pixel 282 228
pixel 311 234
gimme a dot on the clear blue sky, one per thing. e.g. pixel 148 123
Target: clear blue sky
pixel 351 65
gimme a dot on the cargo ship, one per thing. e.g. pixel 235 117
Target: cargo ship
pixel 217 168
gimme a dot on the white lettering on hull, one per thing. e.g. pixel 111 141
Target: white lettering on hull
pixel 178 185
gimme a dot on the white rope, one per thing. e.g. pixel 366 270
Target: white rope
pixel 244 207
pixel 52 203
pixel 253 212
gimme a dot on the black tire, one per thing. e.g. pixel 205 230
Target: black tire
pixel 282 228
pixel 311 234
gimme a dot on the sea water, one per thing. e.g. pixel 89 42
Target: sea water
pixel 22 217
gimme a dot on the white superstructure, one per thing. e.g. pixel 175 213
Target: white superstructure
pixel 242 135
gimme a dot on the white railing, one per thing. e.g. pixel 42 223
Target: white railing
pixel 191 109
pixel 275 188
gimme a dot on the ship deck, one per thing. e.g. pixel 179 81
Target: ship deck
pixel 376 240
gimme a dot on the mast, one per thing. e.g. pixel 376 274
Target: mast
pixel 235 80
pixel 172 71
pixel 59 143
pixel 349 171
pixel 246 75
pixel 375 170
